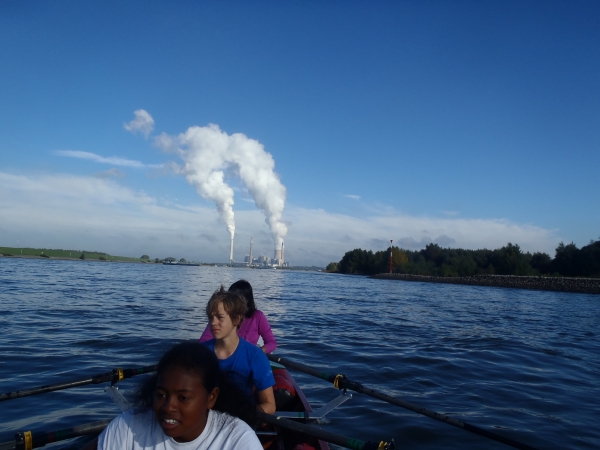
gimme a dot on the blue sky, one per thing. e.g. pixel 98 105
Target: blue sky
pixel 466 123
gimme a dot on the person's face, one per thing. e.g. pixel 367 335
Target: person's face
pixel 181 404
pixel 221 324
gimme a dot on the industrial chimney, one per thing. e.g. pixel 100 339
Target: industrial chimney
pixel 231 250
pixel 250 257
pixel 279 255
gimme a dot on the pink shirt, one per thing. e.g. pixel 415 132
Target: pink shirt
pixel 251 329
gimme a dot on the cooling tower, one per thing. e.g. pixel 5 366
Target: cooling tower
pixel 279 255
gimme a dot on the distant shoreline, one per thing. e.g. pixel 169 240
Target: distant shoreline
pixel 66 258
pixel 557 284
pixel 151 262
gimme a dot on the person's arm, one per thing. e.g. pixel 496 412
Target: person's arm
pixel 265 401
pixel 207 335
pixel 264 330
pixel 263 381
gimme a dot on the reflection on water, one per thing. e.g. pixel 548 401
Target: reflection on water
pixel 523 363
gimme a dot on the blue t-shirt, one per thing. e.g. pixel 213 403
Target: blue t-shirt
pixel 248 366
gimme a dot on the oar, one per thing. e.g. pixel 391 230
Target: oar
pixel 115 376
pixel 341 382
pixel 327 436
pixel 27 440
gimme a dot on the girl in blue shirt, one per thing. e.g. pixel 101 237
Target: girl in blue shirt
pixel 245 364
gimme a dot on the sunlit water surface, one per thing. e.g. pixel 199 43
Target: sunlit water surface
pixel 525 364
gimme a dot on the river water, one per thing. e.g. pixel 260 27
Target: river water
pixel 525 364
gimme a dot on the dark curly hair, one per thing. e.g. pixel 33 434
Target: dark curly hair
pixel 199 360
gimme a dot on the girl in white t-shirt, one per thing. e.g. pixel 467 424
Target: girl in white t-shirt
pixel 185 407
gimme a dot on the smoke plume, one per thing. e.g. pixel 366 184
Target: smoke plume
pixel 208 152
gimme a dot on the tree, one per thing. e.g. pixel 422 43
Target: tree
pixel 332 267
pixel 588 260
pixel 358 261
pixel 510 261
pixel 541 262
pixel 566 259
pixel 432 252
pixel 144 257
pixel 82 256
pixel 399 260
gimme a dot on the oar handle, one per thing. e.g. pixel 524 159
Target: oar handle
pixel 324 435
pixel 341 382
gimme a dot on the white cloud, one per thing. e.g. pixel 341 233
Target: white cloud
pixel 143 123
pixel 101 214
pixel 353 197
pixel 110 173
pixel 112 160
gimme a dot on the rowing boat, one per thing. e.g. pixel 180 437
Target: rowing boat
pixel 290 399
pixel 291 428
pixel 288 429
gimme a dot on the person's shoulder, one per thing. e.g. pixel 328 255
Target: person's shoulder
pixel 237 431
pixel 260 317
pixel 123 427
pixel 210 343
pixel 249 348
pixel 226 423
pixel 135 417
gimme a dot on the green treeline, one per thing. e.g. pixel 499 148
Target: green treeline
pixel 450 262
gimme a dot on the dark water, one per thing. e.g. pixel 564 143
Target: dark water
pixel 525 364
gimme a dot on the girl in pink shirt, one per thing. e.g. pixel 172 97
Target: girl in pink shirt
pixel 255 323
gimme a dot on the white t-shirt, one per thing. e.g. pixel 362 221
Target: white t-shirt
pixel 139 430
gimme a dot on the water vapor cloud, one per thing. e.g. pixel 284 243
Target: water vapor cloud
pixel 143 123
pixel 112 160
pixel 208 153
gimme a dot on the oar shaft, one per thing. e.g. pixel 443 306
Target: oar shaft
pixel 319 433
pixel 115 375
pixel 55 387
pixel 40 439
pixel 344 383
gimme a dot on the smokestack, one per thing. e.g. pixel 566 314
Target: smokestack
pixel 250 258
pixel 279 254
pixel 231 251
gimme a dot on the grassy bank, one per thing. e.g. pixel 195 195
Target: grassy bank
pixel 65 254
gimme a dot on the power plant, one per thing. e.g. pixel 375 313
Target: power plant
pixel 261 262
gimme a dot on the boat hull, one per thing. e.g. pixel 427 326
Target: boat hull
pixel 288 397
